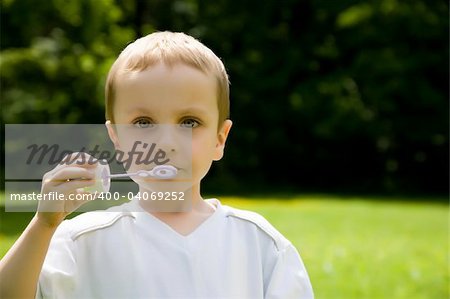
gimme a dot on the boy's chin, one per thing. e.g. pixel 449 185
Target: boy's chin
pixel 167 185
pixel 165 196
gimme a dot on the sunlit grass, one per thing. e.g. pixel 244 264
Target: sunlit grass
pixel 365 249
pixel 352 248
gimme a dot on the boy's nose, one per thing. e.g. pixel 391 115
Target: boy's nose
pixel 167 139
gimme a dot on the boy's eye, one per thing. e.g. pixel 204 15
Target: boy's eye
pixel 143 123
pixel 189 123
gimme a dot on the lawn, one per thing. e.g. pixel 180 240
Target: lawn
pixel 352 247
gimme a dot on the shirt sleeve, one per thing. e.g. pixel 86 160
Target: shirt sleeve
pixel 289 278
pixel 38 292
pixel 58 273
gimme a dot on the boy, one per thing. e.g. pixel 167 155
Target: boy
pixel 208 251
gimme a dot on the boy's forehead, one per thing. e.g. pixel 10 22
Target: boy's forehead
pixel 176 74
pixel 163 81
pixel 188 109
pixel 186 86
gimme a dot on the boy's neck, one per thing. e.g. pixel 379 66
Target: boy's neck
pixel 186 222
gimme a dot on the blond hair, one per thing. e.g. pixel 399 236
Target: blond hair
pixel 169 48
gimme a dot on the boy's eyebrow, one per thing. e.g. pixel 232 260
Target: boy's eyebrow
pixel 139 110
pixel 194 110
pixel 183 111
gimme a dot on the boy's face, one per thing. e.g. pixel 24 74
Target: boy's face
pixel 180 98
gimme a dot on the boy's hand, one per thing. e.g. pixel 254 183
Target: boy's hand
pixel 68 177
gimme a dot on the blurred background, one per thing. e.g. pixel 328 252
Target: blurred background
pixel 344 98
pixel 329 96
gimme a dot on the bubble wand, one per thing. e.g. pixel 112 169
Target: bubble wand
pixel 104 176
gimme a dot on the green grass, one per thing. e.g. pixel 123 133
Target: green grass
pixel 352 248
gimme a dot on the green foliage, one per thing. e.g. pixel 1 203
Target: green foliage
pixel 351 95
pixel 53 68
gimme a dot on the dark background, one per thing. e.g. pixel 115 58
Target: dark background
pixel 326 96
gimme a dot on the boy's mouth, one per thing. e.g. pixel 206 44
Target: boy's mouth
pixel 177 168
pixel 164 171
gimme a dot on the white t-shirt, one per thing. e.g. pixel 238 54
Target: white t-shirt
pixel 129 253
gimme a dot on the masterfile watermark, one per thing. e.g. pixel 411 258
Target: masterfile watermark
pixel 125 164
pixel 141 153
pixel 108 196
pixel 34 196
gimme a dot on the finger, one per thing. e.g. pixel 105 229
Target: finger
pixel 79 159
pixel 71 186
pixel 74 159
pixel 81 198
pixel 66 204
pixel 68 174
pixel 87 196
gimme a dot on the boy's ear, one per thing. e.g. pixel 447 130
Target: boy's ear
pixel 112 134
pixel 222 138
